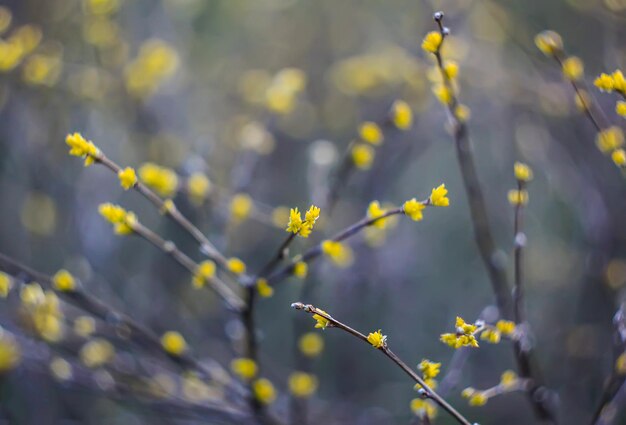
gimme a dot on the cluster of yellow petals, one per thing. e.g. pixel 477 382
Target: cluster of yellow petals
pixel 173 343
pixel 340 254
pixel 81 147
pixel 122 220
pixel 377 339
pixel 63 281
pixel 162 180
pixel 301 227
pixel 204 273
pixel 463 337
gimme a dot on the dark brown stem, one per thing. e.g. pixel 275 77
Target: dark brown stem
pixel 519 239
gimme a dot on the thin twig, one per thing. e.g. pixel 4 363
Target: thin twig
pixel 426 392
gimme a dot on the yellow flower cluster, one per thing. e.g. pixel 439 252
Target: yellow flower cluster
pixel 439 196
pixel 522 172
pixel 401 115
pixel 377 339
pixel 611 82
pixel 155 63
pixel 300 269
pixel 549 43
pixel 82 148
pixel 264 288
pixel 96 353
pixel 162 180
pixel 610 139
pixel 573 68
pixel 204 273
pixel 244 368
pixel 6 283
pixel 173 343
pixel 302 384
pixel 241 206
pixel 423 408
pixel 413 208
pixel 122 220
pixel 321 321
pixel 10 353
pixel 45 311
pixel 22 42
pixel 429 370
pixel 340 254
pixel 300 227
pixel 63 281
pixel 128 178
pixel 282 93
pixel 508 379
pixel 463 337
pixel 198 187
pixel 236 266
pixel 432 41
pixel 518 197
pixel 264 391
pixel 475 398
pixel 494 334
pixel 374 211
pixel 362 156
pixel 311 344
pixel 371 133
pixel 84 326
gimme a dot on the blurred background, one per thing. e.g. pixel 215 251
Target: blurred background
pixel 263 98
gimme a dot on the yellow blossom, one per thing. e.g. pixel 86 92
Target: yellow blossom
pixel 463 337
pixel 371 133
pixel 122 220
pixel 522 172
pixel 322 322
pixel 604 82
pixel 10 353
pixel 241 206
pixel 619 82
pixel 264 288
pixel 619 157
pixel 467 392
pixel 610 139
pixel 162 180
pixel 620 108
pixel 451 69
pixel 204 273
pixel 339 253
pixel 236 266
pixel 439 196
pixel 421 408
pixel 506 327
pixel 264 391
pixel 31 294
pixel 549 42
pixel 300 269
pixel 63 281
pixel 478 399
pixel 492 336
pixel 443 93
pixel 311 344
pixel 96 353
pixel 362 156
pixel 462 113
pixel 573 68
pixel 198 187
pixel 311 216
pixel 302 384
pixel 377 339
pixel 295 221
pixel 401 115
pixel 413 209
pixel 245 368
pixel 374 211
pixel 508 379
pixel 127 177
pixel 429 369
pixel 82 148
pixel 84 326
pixel 6 284
pixel 518 197
pixel 173 343
pixel 432 42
